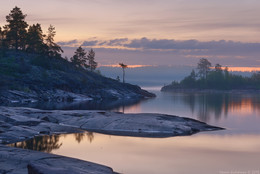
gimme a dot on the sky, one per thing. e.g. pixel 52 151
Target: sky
pixel 151 32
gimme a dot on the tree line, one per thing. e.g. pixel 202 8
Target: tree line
pixel 217 77
pixel 19 36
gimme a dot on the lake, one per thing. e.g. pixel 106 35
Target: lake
pixel 235 150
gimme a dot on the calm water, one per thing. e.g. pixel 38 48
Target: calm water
pixel 234 150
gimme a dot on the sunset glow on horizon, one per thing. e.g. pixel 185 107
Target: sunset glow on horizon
pixel 230 68
pixel 128 66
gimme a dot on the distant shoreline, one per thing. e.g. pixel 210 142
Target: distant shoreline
pixel 211 90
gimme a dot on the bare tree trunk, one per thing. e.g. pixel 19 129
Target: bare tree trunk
pixel 123 75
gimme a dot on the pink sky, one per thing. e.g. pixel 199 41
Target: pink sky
pixel 174 31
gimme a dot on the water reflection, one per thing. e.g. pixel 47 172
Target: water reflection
pixel 204 106
pixel 81 136
pixel 201 153
pixel 219 104
pixel 42 143
pixel 48 143
pixel 80 105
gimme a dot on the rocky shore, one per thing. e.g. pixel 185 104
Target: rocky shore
pixel 21 161
pixel 19 124
pixel 30 78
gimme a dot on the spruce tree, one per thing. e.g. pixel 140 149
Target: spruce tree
pixel 35 39
pixel 91 60
pixel 79 58
pixel 16 29
pixel 54 49
pixel 203 67
pixel 1 38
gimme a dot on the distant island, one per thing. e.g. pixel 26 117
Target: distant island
pixel 214 78
pixel 32 68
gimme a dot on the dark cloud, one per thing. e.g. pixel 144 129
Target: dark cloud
pixel 117 42
pixel 102 43
pixel 71 42
pixel 163 44
pixel 90 43
pixel 166 44
pixel 182 52
pixel 216 47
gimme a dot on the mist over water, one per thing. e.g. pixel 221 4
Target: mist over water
pixel 149 76
pixel 154 76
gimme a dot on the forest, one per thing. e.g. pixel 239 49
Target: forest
pixel 208 77
pixel 18 36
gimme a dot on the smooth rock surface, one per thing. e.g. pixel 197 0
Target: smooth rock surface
pixel 21 161
pixel 32 121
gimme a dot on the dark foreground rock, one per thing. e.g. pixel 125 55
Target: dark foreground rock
pixel 21 161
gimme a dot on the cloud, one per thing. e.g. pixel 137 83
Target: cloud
pixel 169 51
pixel 70 43
pixel 117 42
pixel 221 46
pixel 192 45
pixel 90 43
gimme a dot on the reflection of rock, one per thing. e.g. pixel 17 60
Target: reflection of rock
pixel 82 104
pixel 16 160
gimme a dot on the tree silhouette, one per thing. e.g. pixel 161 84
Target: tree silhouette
pixel 80 58
pixel 3 45
pixel 123 66
pixel 16 29
pixel 54 49
pixel 218 68
pixel 91 60
pixel 35 39
pixel 1 38
pixel 203 67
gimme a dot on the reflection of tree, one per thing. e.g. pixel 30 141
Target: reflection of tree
pixel 43 143
pixel 90 136
pixel 191 100
pixel 80 136
pixel 220 103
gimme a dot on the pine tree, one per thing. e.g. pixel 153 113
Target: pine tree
pixel 79 58
pixel 3 45
pixel 203 67
pixel 16 29
pixel 123 66
pixel 35 39
pixel 91 60
pixel 1 38
pixel 54 49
